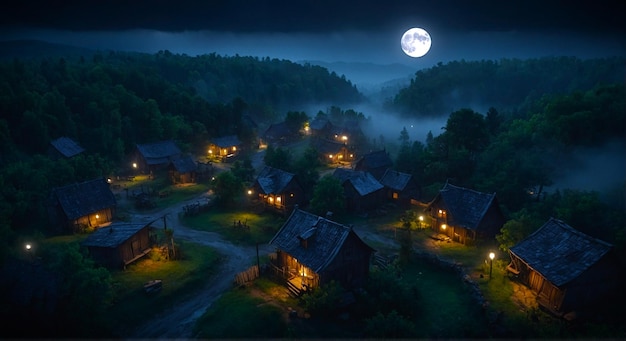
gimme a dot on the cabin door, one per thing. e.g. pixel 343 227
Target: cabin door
pixel 134 247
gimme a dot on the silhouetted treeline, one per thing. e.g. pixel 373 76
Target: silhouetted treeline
pixel 510 85
pixel 111 101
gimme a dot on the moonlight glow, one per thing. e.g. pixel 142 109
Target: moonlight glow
pixel 415 42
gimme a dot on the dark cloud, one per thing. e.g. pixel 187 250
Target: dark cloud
pixel 313 15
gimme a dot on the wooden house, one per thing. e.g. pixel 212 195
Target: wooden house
pixel 183 170
pixel 277 189
pixel 225 148
pixel 376 163
pixel 332 152
pixel 83 205
pixel 119 244
pixel 311 251
pixel 64 147
pixel 151 157
pixel 362 191
pixel 400 187
pixel 465 215
pixel 320 128
pixel 572 274
pixel 279 134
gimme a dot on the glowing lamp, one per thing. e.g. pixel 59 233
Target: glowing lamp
pixel 28 247
pixel 443 226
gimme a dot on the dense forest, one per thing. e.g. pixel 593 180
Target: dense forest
pixel 539 113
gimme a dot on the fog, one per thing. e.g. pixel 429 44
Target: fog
pixel 601 169
pixel 346 46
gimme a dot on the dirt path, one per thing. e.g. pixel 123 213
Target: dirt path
pixel 178 321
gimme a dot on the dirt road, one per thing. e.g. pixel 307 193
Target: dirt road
pixel 178 321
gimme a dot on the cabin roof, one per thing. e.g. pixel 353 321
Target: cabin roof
pixel 395 180
pixel 362 181
pixel 113 235
pixel 325 238
pixel 67 147
pixel 325 146
pixel 319 123
pixel 226 141
pixel 273 180
pixel 158 152
pixel 375 159
pixel 184 164
pixel 466 207
pixel 559 252
pixel 278 130
pixel 80 199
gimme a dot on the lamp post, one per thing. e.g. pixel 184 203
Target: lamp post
pixel 491 257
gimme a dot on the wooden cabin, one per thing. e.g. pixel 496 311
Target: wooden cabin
pixel 64 147
pixel 183 170
pixel 320 128
pixel 277 189
pixel 332 152
pixel 119 244
pixel 152 157
pixel 84 205
pixel 279 134
pixel 225 148
pixel 376 163
pixel 311 251
pixel 572 274
pixel 362 191
pixel 465 215
pixel 400 187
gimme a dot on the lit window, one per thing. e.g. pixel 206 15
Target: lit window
pixel 395 195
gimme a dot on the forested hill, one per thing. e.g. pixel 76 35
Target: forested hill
pixel 509 85
pixel 103 98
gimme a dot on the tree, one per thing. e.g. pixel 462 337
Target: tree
pixel 391 325
pixel 228 188
pixel 278 158
pixel 328 196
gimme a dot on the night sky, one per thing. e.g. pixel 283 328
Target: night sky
pixel 349 31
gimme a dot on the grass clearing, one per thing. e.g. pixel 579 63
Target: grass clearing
pixel 180 279
pixel 262 227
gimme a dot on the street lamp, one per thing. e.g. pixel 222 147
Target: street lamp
pixel 421 218
pixel 491 257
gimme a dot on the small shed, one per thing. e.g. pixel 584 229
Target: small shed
pixel 119 244
pixel 400 187
pixel 83 205
pixel 151 157
pixel 376 162
pixel 225 147
pixel 571 273
pixel 465 215
pixel 278 189
pixel 312 251
pixel 64 147
pixel 183 170
pixel 363 192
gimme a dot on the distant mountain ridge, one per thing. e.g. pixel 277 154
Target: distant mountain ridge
pixel 367 74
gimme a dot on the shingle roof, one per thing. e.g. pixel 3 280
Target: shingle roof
pixel 376 159
pixel 395 180
pixel 81 199
pixel 67 147
pixel 273 180
pixel 466 207
pixel 226 141
pixel 363 182
pixel 113 235
pixel 184 164
pixel 158 152
pixel 559 252
pixel 324 146
pixel 324 239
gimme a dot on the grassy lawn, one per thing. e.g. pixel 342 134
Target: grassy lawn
pixel 262 226
pixel 180 278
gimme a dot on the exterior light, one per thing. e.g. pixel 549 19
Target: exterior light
pixel 234 148
pixel 345 138
pixel 249 192
pixel 278 199
pixel 134 165
pixel 351 155
pixel 330 156
pixel 491 257
pixel 97 216
pixel 443 226
pixel 28 247
pixel 210 151
pixel 421 218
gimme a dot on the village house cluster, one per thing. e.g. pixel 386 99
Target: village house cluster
pixel 569 271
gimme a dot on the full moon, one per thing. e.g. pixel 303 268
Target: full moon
pixel 415 42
